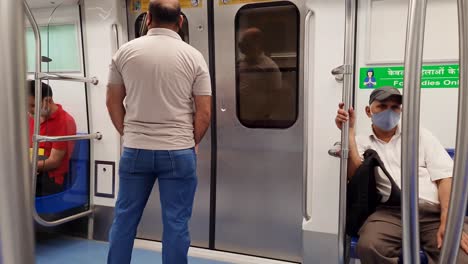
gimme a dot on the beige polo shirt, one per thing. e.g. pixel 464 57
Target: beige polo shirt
pixel 434 163
pixel 161 74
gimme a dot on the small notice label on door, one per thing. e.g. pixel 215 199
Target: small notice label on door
pixel 237 2
pixel 140 6
pixel 190 3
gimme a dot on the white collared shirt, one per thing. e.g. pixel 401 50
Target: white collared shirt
pixel 434 163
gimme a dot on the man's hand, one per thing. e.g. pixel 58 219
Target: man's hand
pixel 354 161
pixel 441 234
pixel 342 116
pixel 53 161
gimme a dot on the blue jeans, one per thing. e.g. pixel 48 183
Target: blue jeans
pixel 139 169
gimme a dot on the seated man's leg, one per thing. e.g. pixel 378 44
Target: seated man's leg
pixel 462 255
pixel 429 240
pixel 380 237
pixel 46 185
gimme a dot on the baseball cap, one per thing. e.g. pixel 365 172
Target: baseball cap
pixel 382 94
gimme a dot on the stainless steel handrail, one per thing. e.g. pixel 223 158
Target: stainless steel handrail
pixel 305 180
pixel 36 137
pixel 62 77
pixel 348 78
pixel 410 129
pixel 338 73
pixel 338 70
pixel 115 31
pixel 38 96
pixel 143 26
pixel 16 229
pixel 45 223
pixel 97 136
pixel 459 196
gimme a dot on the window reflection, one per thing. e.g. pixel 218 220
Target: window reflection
pixel 259 78
pixel 267 65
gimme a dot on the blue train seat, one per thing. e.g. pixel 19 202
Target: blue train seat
pixel 451 152
pixel 354 240
pixel 76 192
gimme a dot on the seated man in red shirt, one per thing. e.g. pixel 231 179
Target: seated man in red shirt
pixel 54 157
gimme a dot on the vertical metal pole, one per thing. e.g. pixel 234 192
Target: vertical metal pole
pixel 16 229
pixel 459 196
pixel 348 71
pixel 38 95
pixel 410 129
pixel 305 180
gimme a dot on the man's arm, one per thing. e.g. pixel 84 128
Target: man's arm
pixel 202 116
pixel 445 187
pixel 53 161
pixel 115 96
pixel 354 159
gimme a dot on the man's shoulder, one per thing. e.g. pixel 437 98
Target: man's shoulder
pixel 193 52
pixel 130 46
pixel 427 137
pixel 126 46
pixel 68 119
pixel 269 62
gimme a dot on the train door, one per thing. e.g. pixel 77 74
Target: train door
pixel 194 32
pixel 260 123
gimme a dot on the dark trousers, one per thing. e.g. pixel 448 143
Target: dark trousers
pixel 46 185
pixel 380 237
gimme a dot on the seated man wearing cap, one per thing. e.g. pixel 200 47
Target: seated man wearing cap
pixel 381 235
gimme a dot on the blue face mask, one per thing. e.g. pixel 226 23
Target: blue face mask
pixel 386 120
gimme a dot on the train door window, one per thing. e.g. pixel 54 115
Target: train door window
pixel 267 65
pixel 141 28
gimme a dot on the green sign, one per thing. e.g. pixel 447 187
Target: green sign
pixel 433 76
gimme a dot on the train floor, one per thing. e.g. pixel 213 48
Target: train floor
pixel 60 250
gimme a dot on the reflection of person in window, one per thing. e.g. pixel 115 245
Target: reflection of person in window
pixel 369 81
pixel 54 157
pixel 259 78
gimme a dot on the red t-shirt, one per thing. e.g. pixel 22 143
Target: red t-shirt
pixel 60 123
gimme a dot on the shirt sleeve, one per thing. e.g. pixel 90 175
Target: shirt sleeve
pixel 361 146
pixel 202 83
pixel 115 76
pixel 60 145
pixel 438 161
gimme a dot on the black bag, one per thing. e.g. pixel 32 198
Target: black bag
pixel 362 195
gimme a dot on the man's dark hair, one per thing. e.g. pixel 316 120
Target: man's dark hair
pixel 164 14
pixel 46 90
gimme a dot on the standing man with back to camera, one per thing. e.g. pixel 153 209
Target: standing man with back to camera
pixel 166 86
